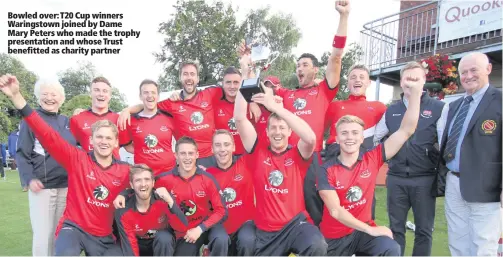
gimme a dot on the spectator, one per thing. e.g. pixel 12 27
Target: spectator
pixel 412 171
pixel 12 145
pixel 471 149
pixel 46 179
pixel 4 154
pixel 2 171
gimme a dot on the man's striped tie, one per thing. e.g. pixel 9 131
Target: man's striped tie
pixel 452 139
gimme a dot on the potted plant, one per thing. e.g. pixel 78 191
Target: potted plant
pixel 441 77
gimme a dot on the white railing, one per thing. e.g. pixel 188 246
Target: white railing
pixel 410 35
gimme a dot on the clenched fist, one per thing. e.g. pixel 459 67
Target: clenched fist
pixel 342 6
pixel 9 85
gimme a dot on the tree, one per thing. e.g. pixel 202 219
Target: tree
pixel 27 79
pixel 198 31
pixel 352 56
pixel 210 34
pixel 77 83
pixel 5 127
pixel 280 33
pixel 118 101
pixel 79 101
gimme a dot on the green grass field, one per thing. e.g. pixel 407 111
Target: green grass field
pixel 15 238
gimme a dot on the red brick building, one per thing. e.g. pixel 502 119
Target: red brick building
pixel 413 34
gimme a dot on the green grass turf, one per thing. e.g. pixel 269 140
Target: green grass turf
pixel 15 235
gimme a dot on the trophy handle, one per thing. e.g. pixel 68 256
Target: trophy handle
pixel 272 57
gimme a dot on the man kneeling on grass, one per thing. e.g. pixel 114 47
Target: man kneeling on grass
pixel 144 223
pixel 346 183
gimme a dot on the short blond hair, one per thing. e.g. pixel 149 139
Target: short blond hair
pixel 413 65
pixel 105 124
pixel 349 119
pixel 137 168
pixel 359 67
pixel 223 132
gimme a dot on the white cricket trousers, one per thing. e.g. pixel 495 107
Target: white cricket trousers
pixel 46 209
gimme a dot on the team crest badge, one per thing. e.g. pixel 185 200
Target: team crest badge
pixel 229 195
pixel 299 104
pixel 365 174
pixel 489 126
pixel 196 118
pixel 426 114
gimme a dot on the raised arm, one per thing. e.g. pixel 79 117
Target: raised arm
pixel 63 152
pixel 409 122
pixel 243 124
pixel 335 60
pixel 307 140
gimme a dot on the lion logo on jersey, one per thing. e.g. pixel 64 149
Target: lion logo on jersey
pixel 232 124
pixel 275 178
pixel 229 194
pixel 354 194
pixel 196 118
pixel 151 141
pixel 101 192
pixel 188 207
pixel 299 104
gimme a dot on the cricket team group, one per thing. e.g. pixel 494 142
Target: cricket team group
pixel 247 176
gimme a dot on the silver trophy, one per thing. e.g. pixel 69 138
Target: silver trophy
pixel 262 57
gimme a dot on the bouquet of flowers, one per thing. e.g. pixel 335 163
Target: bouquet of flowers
pixel 441 70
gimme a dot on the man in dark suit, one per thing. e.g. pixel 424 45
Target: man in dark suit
pixel 471 149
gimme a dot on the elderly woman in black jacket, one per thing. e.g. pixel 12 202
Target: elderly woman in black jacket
pixel 46 179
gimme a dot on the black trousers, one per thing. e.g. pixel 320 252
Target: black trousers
pixel 72 240
pixel 415 192
pixel 298 237
pixel 2 171
pixel 314 204
pixel 243 240
pixel 360 243
pixel 162 245
pixel 216 238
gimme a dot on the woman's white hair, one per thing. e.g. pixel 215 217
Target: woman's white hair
pixel 50 83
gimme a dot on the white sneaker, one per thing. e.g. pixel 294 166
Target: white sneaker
pixel 410 225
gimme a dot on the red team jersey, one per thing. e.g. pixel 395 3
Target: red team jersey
pixel 224 119
pixel 152 138
pixel 278 179
pixel 310 104
pixel 91 187
pixel 195 117
pixel 80 125
pixel 370 112
pixel 199 198
pixel 237 191
pixel 355 188
pixel 133 224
